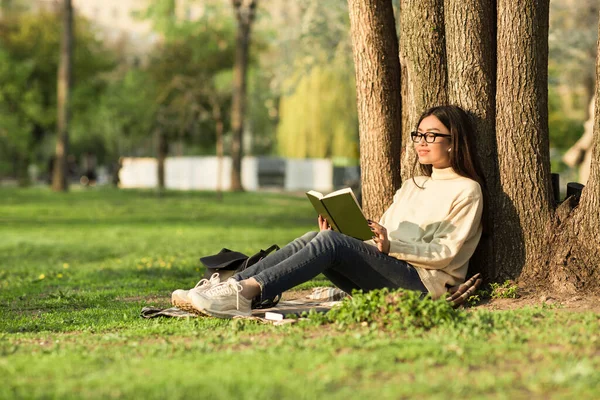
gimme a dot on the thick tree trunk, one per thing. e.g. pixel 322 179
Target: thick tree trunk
pixel 375 49
pixel 575 246
pixel 244 13
pixel 60 170
pixel 525 201
pixel 406 153
pixel 423 54
pixel 471 53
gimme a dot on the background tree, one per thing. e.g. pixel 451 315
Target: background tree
pixel 572 52
pixel 306 127
pixel 59 173
pixel 29 49
pixel 244 11
pixel 183 68
pixel 572 49
pixel 312 74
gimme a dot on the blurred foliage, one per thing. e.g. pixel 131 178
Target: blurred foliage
pixel 122 118
pixel 564 129
pixel 29 49
pixel 571 71
pixel 319 118
pixel 191 69
pixel 301 88
pixel 314 76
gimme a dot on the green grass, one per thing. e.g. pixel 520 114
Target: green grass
pixel 76 269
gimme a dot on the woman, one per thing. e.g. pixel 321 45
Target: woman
pixel 423 241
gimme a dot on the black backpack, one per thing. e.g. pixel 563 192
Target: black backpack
pixel 228 263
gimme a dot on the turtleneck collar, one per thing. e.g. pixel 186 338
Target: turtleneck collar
pixel 443 174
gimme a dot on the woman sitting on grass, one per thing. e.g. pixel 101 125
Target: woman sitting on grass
pixel 423 241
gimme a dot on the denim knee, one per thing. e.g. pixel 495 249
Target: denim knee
pixel 308 236
pixel 328 237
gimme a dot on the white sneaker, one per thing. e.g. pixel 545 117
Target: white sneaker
pixel 223 300
pixel 180 297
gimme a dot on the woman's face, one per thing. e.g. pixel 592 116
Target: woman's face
pixel 437 153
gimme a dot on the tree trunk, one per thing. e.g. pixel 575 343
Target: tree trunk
pixel 244 13
pixel 406 148
pixel 471 52
pixel 575 247
pixel 216 111
pixel 423 54
pixel 162 148
pixel 60 170
pixel 375 49
pixel 497 69
pixel 525 201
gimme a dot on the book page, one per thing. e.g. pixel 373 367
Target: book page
pixel 347 214
pixel 320 208
pixel 338 192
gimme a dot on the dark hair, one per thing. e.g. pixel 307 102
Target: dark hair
pixel 462 156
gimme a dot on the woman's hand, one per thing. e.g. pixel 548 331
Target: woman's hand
pixel 323 224
pixel 380 237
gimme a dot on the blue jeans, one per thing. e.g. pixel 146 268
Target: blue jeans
pixel 347 262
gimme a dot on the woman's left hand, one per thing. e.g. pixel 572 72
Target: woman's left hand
pixel 380 236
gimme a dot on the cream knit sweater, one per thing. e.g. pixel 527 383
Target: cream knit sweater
pixel 436 229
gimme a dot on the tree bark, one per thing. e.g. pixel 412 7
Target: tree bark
pixel 60 170
pixel 423 54
pixel 575 246
pixel 525 201
pixel 470 27
pixel 162 148
pixel 244 13
pixel 375 50
pixel 217 116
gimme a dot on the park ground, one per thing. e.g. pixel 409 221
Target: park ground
pixel 76 269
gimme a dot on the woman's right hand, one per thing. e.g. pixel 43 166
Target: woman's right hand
pixel 323 224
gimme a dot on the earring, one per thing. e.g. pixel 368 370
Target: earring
pixel 449 150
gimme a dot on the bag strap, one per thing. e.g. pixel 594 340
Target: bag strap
pixel 257 257
pixel 271 249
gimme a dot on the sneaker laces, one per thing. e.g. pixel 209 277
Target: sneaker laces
pixel 214 279
pixel 228 288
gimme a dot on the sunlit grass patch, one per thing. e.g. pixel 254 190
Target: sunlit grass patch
pixel 77 268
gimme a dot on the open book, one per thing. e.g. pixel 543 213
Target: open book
pixel 342 212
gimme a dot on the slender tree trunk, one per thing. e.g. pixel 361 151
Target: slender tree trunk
pixel 162 148
pixel 423 54
pixel 60 170
pixel 525 201
pixel 244 12
pixel 375 49
pixel 471 53
pixel 216 111
pixel 575 245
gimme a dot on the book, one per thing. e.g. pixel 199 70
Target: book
pixel 342 212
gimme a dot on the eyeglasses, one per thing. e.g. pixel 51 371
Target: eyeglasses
pixel 429 136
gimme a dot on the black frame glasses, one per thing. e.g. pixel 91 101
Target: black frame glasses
pixel 430 137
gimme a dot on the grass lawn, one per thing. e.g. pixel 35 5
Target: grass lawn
pixel 76 269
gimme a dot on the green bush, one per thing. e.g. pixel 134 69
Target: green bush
pixel 400 309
